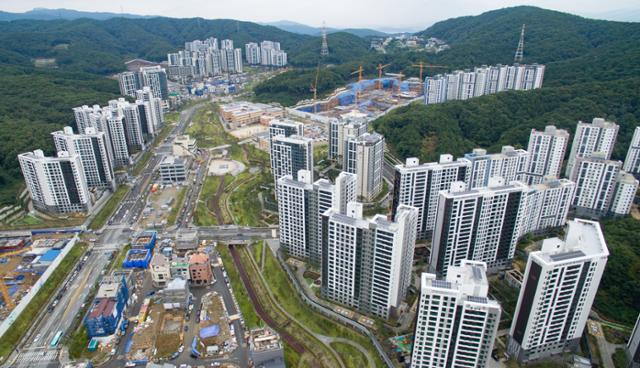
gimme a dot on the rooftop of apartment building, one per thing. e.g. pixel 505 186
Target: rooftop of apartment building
pixel 583 238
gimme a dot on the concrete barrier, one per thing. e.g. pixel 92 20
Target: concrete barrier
pixel 6 324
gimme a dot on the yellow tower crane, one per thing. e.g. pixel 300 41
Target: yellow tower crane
pixel 359 72
pixel 380 68
pixel 424 66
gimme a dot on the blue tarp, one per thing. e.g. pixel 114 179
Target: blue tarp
pixel 50 255
pixel 210 331
pixel 127 347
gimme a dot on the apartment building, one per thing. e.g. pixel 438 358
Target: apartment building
pixel 91 147
pixel 510 164
pixel 599 136
pixel 290 155
pixel 457 322
pixel 366 263
pixel 56 184
pixel 480 224
pixel 419 185
pixel 560 284
pixel 632 161
pixel 340 130
pixel 595 177
pixel 364 156
pixel 546 153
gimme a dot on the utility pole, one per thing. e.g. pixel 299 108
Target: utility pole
pixel 324 51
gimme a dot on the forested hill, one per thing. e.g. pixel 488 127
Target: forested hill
pixel 550 36
pixel 79 55
pixel 592 70
pixel 99 46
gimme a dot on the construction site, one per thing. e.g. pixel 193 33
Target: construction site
pixel 372 97
pixel 216 336
pixel 158 334
pixel 23 260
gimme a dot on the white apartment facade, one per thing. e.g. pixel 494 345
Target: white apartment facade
pixel 632 161
pixel 290 155
pixel 479 224
pixel 546 205
pixel 364 156
pixel 626 189
pixel 510 164
pixel 91 147
pixel 419 185
pixel 559 286
pixel 340 130
pixel 599 136
pixel 366 263
pixel 56 184
pixel 457 323
pixel 546 151
pixel 595 179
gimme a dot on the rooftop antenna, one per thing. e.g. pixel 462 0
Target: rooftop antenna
pixel 324 51
pixel 520 51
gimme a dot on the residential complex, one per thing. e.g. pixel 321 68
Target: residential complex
pixel 419 185
pixel 364 156
pixel 93 150
pixel 301 205
pixel 546 205
pixel 268 53
pixel 595 179
pixel 201 59
pixel 559 286
pixel 366 263
pixel 457 322
pixel 599 136
pixel 632 161
pixel 56 184
pixel 290 155
pixel 485 80
pixel 510 164
pixel 340 130
pixel 546 153
pixel 154 77
pixel 477 224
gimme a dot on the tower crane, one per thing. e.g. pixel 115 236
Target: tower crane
pixel 423 66
pixel 359 72
pixel 398 76
pixel 380 68
pixel 314 89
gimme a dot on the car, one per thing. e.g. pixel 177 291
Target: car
pixel 186 328
pixel 181 349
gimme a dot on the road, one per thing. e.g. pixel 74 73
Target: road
pixel 35 350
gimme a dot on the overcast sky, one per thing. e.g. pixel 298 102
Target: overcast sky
pixel 408 14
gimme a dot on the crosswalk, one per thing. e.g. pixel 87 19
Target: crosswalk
pixel 37 358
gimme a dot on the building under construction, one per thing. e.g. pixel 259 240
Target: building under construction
pixel 369 96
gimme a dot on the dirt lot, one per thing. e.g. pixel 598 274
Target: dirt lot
pixel 216 314
pixel 159 206
pixel 162 330
pixel 249 131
